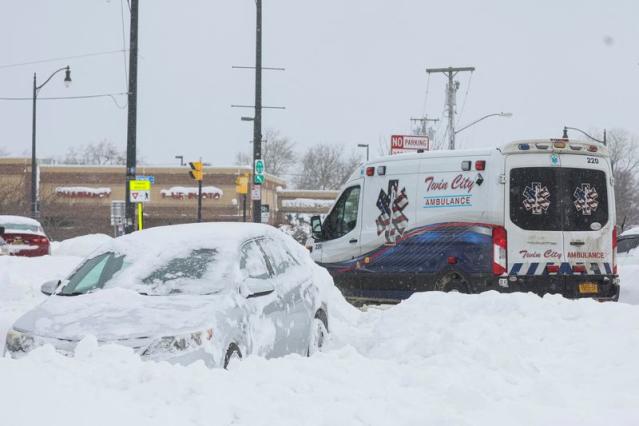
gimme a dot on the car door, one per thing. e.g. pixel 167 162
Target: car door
pixel 588 213
pixel 533 213
pixel 296 293
pixel 264 305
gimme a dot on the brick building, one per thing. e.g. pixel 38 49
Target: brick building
pixel 76 200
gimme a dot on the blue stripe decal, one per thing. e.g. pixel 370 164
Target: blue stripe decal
pixel 516 268
pixel 532 268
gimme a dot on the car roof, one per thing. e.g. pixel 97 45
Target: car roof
pixel 163 241
pixel 18 220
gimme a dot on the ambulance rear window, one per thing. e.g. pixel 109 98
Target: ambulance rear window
pixel 558 199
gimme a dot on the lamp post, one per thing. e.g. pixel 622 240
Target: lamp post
pixel 36 89
pixel 364 145
pixel 497 114
pixel 565 135
pixel 181 158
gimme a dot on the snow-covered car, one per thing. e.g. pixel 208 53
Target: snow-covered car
pixel 24 236
pixel 627 244
pixel 214 292
pixel 3 244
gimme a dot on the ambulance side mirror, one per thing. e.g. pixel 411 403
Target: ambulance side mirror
pixel 1 231
pixel 316 227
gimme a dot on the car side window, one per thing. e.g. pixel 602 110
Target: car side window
pixel 280 260
pixel 343 218
pixel 252 262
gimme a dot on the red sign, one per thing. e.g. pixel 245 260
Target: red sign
pixel 405 143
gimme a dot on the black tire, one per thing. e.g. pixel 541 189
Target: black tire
pixel 232 351
pixel 452 282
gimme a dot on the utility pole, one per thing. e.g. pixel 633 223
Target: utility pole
pixel 131 149
pixel 451 89
pixel 257 119
pixel 423 131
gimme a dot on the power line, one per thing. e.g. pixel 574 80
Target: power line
pixel 470 79
pixel 101 95
pixel 126 73
pixel 62 58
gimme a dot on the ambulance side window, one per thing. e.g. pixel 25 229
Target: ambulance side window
pixel 343 217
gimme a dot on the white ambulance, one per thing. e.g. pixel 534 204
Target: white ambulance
pixel 535 215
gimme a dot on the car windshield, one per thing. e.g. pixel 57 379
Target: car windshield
pixel 198 272
pixel 21 227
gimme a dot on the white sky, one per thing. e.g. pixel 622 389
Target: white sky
pixel 355 71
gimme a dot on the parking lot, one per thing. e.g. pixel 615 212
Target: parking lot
pixel 434 359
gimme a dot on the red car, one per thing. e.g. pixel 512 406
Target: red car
pixel 24 236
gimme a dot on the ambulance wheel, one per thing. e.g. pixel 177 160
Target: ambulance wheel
pixel 451 282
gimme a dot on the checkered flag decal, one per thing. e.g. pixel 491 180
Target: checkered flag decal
pixel 392 221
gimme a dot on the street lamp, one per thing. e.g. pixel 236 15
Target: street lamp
pixel 364 145
pixel 565 135
pixel 36 90
pixel 497 114
pixel 181 158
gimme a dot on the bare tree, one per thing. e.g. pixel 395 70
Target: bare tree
pixel 243 159
pixel 325 167
pixel 101 153
pixel 278 153
pixel 624 155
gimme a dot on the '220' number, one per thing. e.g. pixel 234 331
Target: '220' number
pixel 592 160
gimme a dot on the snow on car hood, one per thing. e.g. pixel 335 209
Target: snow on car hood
pixel 115 314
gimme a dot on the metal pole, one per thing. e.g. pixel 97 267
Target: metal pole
pixel 131 149
pixel 257 122
pixel 34 184
pixel 244 208
pixel 199 201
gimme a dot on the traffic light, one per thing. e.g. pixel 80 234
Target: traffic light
pixel 196 170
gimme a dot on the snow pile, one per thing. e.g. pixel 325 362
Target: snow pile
pixel 307 203
pixel 182 192
pixel 436 359
pixel 82 192
pixel 79 246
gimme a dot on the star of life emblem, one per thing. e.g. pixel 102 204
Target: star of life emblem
pixel 586 199
pixel 536 198
pixel 392 221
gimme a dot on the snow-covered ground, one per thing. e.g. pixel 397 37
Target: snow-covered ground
pixel 435 359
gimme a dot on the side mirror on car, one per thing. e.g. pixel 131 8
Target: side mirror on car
pixel 50 287
pixel 316 227
pixel 253 287
pixel 1 231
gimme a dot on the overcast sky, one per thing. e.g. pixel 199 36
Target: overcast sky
pixel 355 71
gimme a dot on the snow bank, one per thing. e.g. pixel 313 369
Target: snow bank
pixel 307 202
pixel 487 359
pixel 79 246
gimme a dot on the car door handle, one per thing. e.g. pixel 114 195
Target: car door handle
pixel 353 241
pixel 577 243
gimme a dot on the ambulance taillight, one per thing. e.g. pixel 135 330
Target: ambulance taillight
pixel 614 250
pixel 500 243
